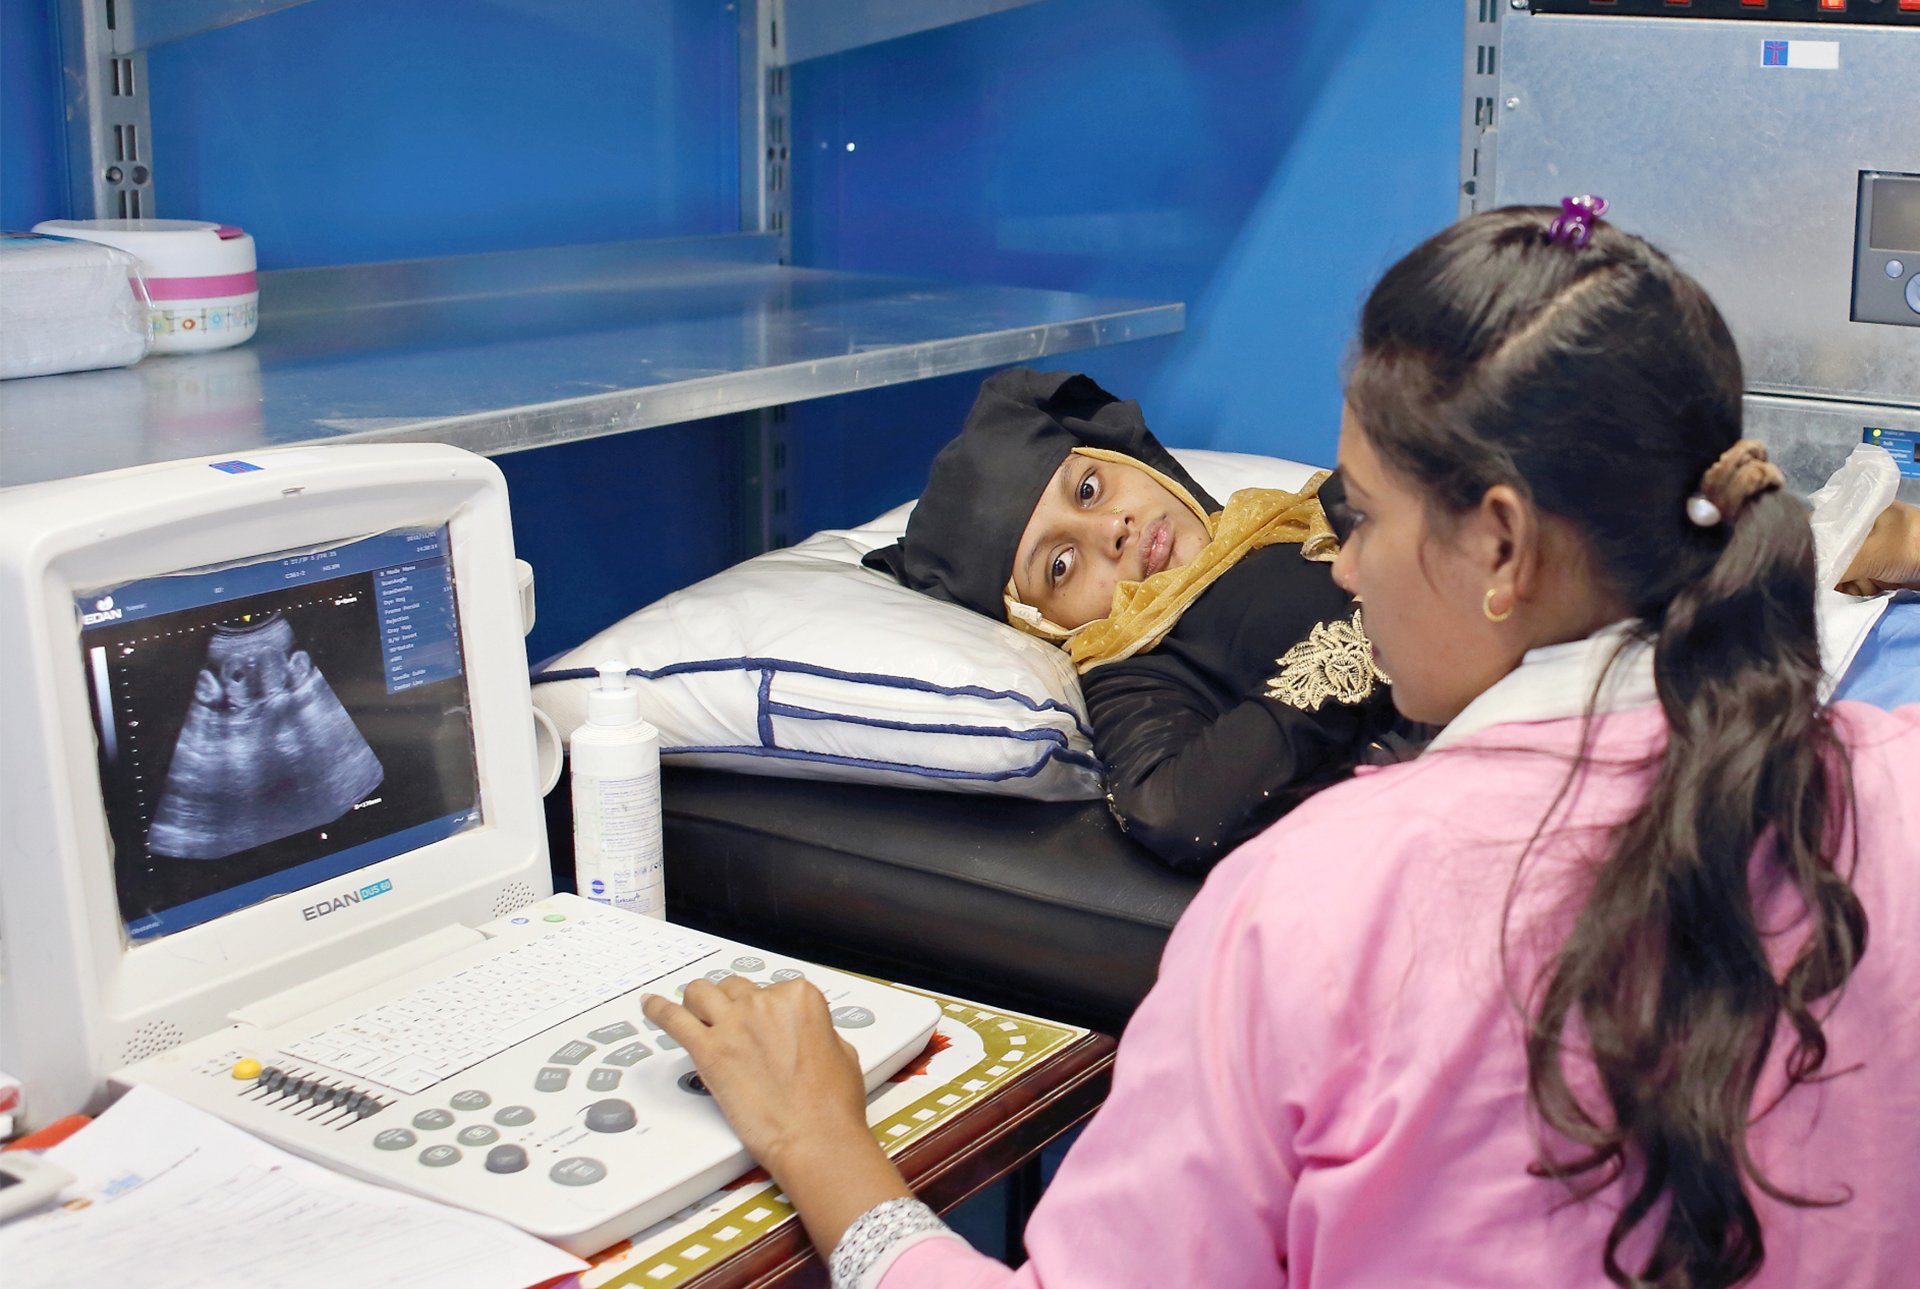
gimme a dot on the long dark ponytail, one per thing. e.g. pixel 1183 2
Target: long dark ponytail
pixel 1601 382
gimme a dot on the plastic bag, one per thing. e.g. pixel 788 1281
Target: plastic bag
pixel 1843 514
pixel 69 305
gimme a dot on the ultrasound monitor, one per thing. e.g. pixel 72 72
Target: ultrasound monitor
pixel 265 719
pixel 271 726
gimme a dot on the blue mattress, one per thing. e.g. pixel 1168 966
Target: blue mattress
pixel 1886 671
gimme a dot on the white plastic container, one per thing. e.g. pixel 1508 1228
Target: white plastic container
pixel 617 852
pixel 200 277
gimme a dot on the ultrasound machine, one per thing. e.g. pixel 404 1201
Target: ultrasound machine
pixel 271 841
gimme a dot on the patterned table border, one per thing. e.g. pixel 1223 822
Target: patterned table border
pixel 729 1221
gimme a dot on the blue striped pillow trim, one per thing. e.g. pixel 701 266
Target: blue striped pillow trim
pixel 766 710
pixel 1052 752
pixel 830 673
pixel 913 727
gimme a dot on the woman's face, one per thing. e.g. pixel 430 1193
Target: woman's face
pixel 1099 524
pixel 1420 590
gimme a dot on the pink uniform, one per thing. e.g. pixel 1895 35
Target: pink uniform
pixel 1327 1086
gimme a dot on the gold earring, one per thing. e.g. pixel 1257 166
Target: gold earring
pixel 1486 607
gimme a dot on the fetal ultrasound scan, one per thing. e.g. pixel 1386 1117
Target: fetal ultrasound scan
pixel 265 751
pixel 269 727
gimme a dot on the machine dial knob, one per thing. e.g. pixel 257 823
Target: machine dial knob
pixel 611 1115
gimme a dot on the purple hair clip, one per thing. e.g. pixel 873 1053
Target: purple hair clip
pixel 1574 224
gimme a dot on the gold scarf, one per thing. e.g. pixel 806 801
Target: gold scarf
pixel 1143 612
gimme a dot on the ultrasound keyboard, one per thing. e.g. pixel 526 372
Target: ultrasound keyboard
pixel 518 1077
pixel 414 1040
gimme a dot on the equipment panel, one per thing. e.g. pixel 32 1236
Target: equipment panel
pixel 1884 12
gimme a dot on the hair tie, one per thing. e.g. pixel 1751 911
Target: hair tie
pixel 1574 224
pixel 1741 474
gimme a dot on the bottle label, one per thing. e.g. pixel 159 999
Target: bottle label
pixel 617 844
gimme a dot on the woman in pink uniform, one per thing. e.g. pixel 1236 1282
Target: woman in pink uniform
pixel 1620 981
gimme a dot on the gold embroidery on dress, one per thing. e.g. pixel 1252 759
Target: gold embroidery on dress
pixel 1334 661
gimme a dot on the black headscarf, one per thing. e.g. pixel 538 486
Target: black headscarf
pixel 963 535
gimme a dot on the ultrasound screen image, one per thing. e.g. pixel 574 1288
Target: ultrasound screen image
pixel 271 726
pixel 266 750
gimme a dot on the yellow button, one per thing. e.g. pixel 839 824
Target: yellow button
pixel 246 1069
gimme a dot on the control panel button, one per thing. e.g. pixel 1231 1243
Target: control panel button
pixel 471 1099
pixel 692 1082
pixel 513 1116
pixel 555 917
pixel 631 1054
pixel 393 1139
pixel 478 1134
pixel 668 1043
pixel 747 962
pixel 506 1159
pixel 247 1068
pixel 788 973
pixel 433 1118
pixel 720 973
pixel 1913 293
pixel 852 1017
pixel 440 1156
pixel 1894 268
pixel 572 1053
pixel 612 1033
pixel 577 1170
pixel 611 1115
pixel 603 1080
pixel 551 1079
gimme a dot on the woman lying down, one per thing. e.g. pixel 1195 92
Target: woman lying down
pixel 1227 677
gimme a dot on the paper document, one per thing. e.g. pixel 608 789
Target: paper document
pixel 176 1197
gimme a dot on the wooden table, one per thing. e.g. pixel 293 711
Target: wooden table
pixel 1001 1135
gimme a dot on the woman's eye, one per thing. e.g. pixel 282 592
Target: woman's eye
pixel 1058 569
pixel 1088 488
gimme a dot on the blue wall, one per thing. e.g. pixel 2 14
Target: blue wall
pixel 33 183
pixel 351 130
pixel 1261 160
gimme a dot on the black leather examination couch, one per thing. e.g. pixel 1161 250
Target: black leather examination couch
pixel 1040 907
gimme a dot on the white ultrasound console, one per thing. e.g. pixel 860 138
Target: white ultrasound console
pixel 517 1076
pixel 274 844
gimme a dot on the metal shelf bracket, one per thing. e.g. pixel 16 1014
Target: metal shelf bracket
pixel 109 126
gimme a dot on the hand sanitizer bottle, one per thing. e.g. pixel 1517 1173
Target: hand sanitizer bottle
pixel 617 853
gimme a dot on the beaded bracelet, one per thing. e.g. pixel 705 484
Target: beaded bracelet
pixel 873 1233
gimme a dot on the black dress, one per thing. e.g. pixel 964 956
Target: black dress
pixel 1260 695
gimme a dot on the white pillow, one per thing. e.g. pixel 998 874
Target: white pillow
pixel 802 663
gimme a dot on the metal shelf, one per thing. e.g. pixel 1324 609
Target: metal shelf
pixel 513 350
pixel 819 27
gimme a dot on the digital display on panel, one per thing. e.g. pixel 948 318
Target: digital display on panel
pixel 269 725
pixel 1896 215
